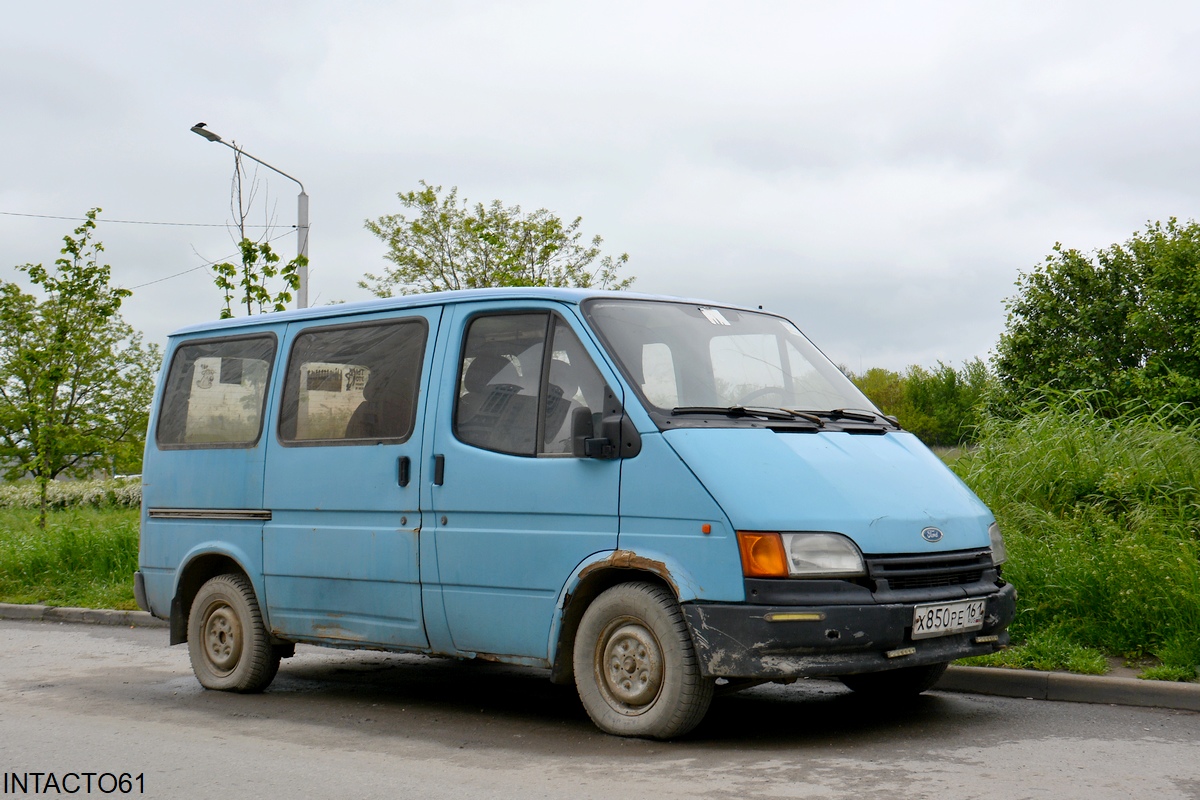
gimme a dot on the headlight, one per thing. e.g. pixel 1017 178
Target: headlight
pixel 826 555
pixel 799 555
pixel 999 554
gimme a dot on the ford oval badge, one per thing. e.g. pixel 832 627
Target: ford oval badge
pixel 931 535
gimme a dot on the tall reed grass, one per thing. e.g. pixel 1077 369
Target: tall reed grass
pixel 1101 517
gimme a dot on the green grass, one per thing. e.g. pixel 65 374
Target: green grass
pixel 1101 518
pixel 1165 673
pixel 1046 650
pixel 86 557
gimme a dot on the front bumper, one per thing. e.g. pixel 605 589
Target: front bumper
pixel 735 640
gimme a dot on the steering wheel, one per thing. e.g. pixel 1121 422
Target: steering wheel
pixel 750 397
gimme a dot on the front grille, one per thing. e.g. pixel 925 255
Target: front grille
pixel 928 571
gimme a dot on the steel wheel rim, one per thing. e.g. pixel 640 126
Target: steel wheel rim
pixel 629 666
pixel 222 636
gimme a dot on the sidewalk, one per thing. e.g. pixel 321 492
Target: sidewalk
pixel 1068 687
pixel 92 616
pixel 1060 686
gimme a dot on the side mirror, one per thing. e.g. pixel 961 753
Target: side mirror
pixel 617 437
pixel 584 442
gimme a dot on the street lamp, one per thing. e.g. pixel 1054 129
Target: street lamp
pixel 301 211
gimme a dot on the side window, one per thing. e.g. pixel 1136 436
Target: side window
pixel 215 392
pixel 353 385
pixel 515 394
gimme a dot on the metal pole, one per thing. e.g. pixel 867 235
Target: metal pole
pixel 301 210
pixel 302 248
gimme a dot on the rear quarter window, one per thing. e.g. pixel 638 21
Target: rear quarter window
pixel 215 393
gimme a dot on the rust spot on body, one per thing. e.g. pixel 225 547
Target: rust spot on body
pixel 525 661
pixel 627 559
pixel 336 632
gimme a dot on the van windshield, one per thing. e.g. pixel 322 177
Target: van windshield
pixel 692 358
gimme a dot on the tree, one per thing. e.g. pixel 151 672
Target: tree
pixel 448 245
pixel 75 380
pixel 1122 324
pixel 251 280
pixel 946 402
pixel 884 387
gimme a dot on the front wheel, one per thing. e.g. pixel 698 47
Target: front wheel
pixel 896 683
pixel 635 666
pixel 227 641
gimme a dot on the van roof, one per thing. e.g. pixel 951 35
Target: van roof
pixel 566 295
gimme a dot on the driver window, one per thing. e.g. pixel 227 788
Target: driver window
pixel 499 378
pixel 518 396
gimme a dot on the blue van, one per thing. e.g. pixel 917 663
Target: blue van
pixel 646 496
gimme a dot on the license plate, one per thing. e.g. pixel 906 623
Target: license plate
pixel 943 619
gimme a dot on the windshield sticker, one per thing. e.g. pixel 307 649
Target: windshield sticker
pixel 714 316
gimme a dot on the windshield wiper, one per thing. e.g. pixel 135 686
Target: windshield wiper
pixel 745 411
pixel 855 414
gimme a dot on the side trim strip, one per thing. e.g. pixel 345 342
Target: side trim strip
pixel 210 513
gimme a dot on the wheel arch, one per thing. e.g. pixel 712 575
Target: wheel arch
pixel 194 573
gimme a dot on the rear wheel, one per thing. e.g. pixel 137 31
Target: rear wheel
pixel 896 683
pixel 227 641
pixel 635 666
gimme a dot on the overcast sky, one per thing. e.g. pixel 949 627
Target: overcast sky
pixel 878 172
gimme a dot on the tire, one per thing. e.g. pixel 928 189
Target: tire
pixel 896 683
pixel 227 641
pixel 635 666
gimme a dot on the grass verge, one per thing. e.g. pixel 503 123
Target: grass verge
pixel 86 557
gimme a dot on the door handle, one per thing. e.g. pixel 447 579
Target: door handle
pixel 439 469
pixel 404 471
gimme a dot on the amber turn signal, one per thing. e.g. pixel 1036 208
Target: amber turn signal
pixel 762 555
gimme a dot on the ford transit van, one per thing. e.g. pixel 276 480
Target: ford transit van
pixel 643 495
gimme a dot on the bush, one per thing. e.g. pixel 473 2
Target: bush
pixel 116 493
pixel 941 406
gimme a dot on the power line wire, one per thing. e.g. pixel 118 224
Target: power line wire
pixel 176 224
pixel 136 221
pixel 202 266
pixel 176 275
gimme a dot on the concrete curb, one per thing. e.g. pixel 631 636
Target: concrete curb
pixel 1060 686
pixel 90 616
pixel 1071 688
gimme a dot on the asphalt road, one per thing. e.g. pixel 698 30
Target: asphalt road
pixel 78 699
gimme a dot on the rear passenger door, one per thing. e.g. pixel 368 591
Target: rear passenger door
pixel 341 552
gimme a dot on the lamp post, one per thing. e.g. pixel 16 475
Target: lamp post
pixel 301 211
